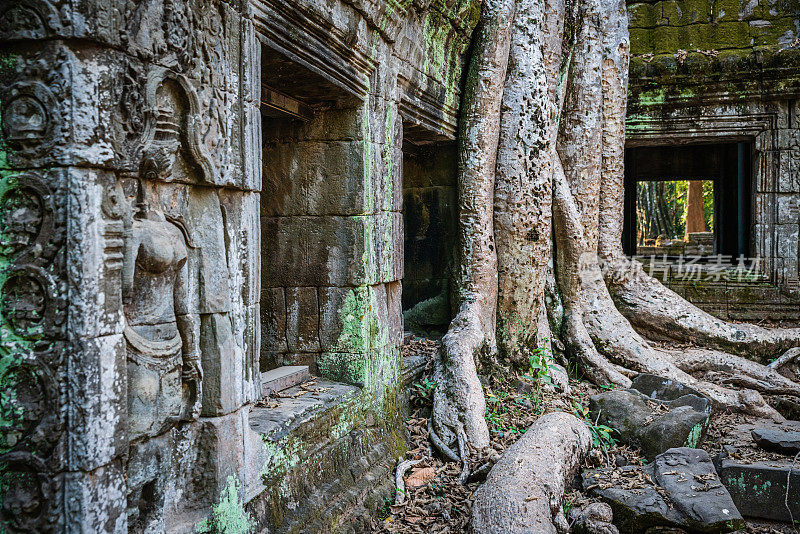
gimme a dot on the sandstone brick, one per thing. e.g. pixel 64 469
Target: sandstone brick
pixel 302 319
pixel 98 424
pixel 273 319
pixel 223 364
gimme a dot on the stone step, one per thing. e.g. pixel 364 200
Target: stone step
pixel 283 378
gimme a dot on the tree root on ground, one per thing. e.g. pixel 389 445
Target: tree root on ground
pixel 524 490
pixel 651 307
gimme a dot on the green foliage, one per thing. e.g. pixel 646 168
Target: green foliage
pixel 539 365
pixel 602 435
pixel 423 390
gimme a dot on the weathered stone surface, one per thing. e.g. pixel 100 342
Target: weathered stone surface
pixel 594 518
pixel 138 128
pixel 326 458
pixel 628 412
pixel 635 510
pixel 302 319
pixel 679 490
pixel 222 366
pixel 771 439
pixel 759 489
pixel 273 320
pixel 689 478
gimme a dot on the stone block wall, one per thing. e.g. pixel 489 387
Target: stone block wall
pixel 129 279
pixel 720 71
pixel 714 38
pixel 332 250
pixel 332 226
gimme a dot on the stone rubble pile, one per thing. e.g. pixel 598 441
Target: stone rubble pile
pixel 681 488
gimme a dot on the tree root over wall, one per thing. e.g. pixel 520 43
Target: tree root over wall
pixel 541 152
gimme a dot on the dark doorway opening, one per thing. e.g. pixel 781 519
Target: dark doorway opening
pixel 698 201
pixel 430 219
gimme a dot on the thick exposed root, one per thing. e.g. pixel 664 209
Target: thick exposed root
pixel 458 401
pixel 525 488
pixel 614 337
pixel 651 307
pixel 740 371
pixel 569 251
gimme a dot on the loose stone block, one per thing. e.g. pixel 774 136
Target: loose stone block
pixel 627 411
pixel 778 440
pixel 759 489
pixel 679 490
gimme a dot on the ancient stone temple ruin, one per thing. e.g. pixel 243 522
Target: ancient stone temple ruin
pixel 204 202
pixel 201 204
pixel 715 95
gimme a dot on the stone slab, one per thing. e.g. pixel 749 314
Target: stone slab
pixel 759 489
pixel 695 490
pixel 777 440
pixel 283 378
pixel 274 423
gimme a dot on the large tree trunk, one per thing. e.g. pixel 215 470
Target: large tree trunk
pixel 695 214
pixel 512 179
pixel 522 188
pixel 459 403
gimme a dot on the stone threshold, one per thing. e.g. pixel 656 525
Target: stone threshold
pixel 296 406
pixel 283 378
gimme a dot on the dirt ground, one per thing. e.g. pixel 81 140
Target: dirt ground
pixel 436 502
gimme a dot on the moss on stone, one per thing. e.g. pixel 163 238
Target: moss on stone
pixel 640 15
pixel 640 41
pixel 726 45
pixel 228 516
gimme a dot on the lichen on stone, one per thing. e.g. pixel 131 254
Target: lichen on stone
pixel 228 516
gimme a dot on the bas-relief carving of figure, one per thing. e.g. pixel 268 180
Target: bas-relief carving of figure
pixel 164 371
pixel 160 330
pixel 161 327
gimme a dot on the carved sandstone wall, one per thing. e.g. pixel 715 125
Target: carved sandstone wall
pixel 142 263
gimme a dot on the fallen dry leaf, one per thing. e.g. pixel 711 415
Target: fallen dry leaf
pixel 420 476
